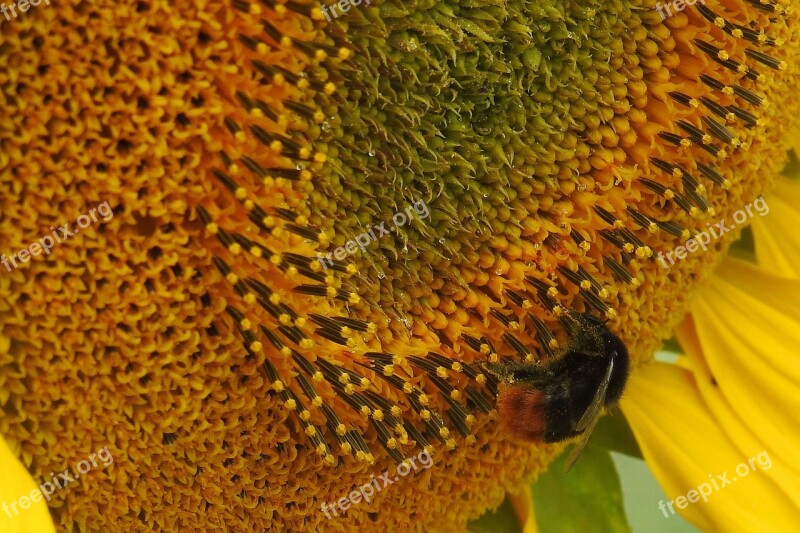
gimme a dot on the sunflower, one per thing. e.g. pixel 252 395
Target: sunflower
pixel 314 231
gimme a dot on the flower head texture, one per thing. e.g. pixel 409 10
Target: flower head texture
pixel 322 227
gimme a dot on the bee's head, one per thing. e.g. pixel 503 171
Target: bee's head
pixel 616 349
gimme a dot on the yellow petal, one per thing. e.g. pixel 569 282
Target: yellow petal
pixel 746 434
pixel 777 240
pixel 523 508
pixel 17 488
pixel 748 331
pixel 688 451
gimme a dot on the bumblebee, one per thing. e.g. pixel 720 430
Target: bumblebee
pixel 563 397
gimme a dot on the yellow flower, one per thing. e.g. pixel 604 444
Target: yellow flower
pixel 725 418
pixel 322 228
pixel 22 510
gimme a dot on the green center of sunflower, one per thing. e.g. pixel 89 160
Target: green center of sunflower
pixel 488 114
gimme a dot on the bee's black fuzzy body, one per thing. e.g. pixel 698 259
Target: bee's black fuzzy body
pixel 547 401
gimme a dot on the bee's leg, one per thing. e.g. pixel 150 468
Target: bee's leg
pixel 585 333
pixel 503 370
pixel 516 372
pixel 533 374
pixel 571 322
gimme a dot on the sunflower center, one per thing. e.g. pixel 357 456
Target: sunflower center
pixel 485 119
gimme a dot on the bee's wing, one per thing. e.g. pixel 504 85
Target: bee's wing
pixel 590 416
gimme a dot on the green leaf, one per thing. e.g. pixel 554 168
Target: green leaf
pixel 503 520
pixel 588 498
pixel 613 433
pixel 792 169
pixel 672 345
pixel 744 248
